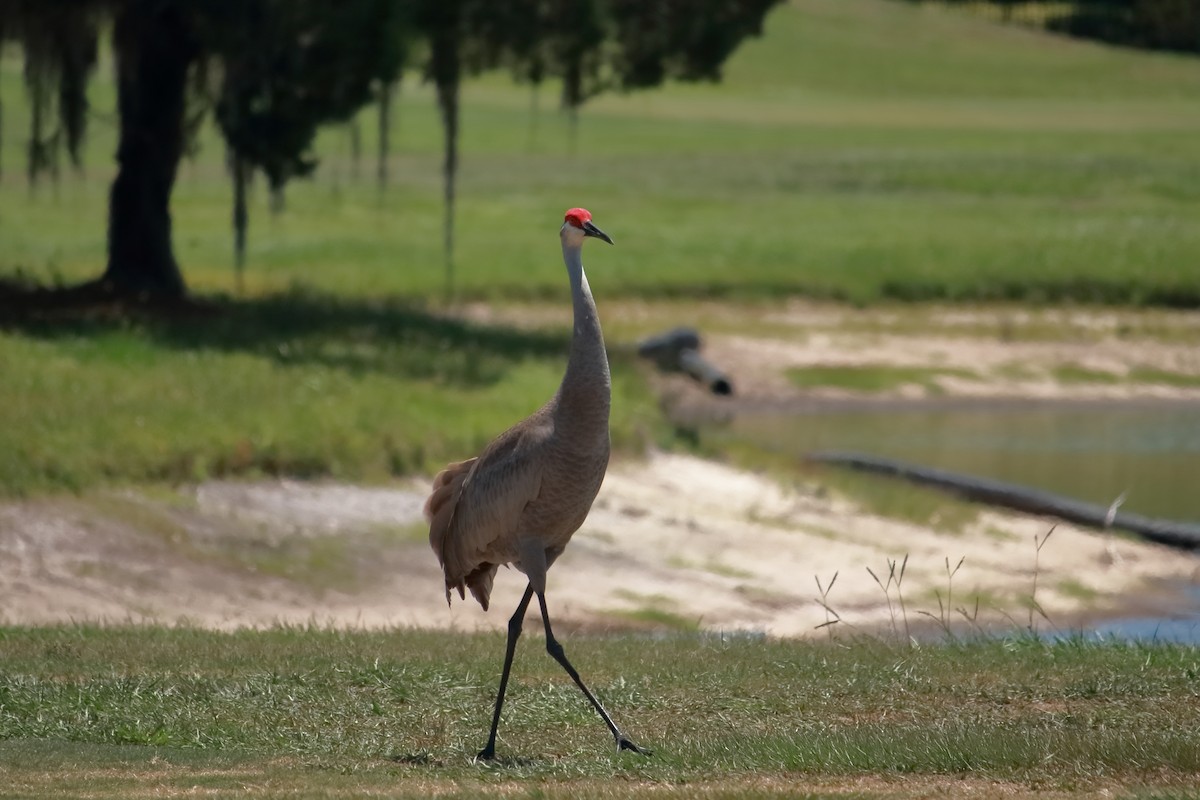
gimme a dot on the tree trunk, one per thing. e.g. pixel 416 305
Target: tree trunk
pixel 572 130
pixel 446 75
pixel 572 98
pixel 355 149
pixel 278 199
pixel 533 114
pixel 241 219
pixel 154 49
pixel 38 153
pixel 385 129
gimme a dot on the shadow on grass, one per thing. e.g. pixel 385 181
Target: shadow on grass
pixel 299 328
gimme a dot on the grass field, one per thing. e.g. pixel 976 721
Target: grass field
pixel 861 150
pixel 143 712
pixel 296 385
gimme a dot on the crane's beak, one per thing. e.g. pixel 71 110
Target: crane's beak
pixel 591 230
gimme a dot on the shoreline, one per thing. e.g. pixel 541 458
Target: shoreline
pixel 674 543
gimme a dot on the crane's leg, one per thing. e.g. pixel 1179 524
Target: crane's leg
pixel 514 632
pixel 556 651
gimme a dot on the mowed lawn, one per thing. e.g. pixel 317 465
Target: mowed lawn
pixel 862 150
pixel 143 712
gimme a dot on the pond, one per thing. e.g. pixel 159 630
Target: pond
pixel 1183 626
pixel 1095 451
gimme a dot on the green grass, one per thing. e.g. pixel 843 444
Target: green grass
pixel 875 494
pixel 1077 374
pixel 1025 13
pixel 861 150
pixel 1163 377
pixel 131 712
pixel 1016 371
pixel 655 612
pixel 713 565
pixel 1143 375
pixel 297 385
pixel 656 619
pixel 898 500
pixel 873 378
pixel 1073 588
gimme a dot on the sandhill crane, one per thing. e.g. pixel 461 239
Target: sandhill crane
pixel 520 500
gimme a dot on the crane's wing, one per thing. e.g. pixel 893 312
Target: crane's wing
pixel 475 508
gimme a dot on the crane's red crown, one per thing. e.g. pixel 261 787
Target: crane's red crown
pixel 578 216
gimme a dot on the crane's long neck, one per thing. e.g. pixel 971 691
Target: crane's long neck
pixel 585 395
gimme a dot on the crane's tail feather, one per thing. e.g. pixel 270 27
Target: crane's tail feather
pixel 439 506
pixel 446 486
pixel 439 511
pixel 479 581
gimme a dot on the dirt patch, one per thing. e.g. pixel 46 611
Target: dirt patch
pixel 673 541
pixel 1000 352
pixel 1046 355
pixel 694 541
pixel 281 778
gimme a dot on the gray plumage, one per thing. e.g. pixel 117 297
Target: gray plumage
pixel 520 500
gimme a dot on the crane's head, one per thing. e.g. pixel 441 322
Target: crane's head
pixel 577 226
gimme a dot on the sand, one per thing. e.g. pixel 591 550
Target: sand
pixel 674 541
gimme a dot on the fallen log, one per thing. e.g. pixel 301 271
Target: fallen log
pixel 678 350
pixel 1183 535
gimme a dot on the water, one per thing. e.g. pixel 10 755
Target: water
pixel 1182 626
pixel 1089 451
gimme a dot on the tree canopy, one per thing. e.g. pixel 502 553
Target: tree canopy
pixel 1172 25
pixel 273 71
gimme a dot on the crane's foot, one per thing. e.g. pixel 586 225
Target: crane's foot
pixel 625 744
pixel 487 754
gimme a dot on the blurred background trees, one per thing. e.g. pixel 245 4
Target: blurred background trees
pixel 1172 25
pixel 271 72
